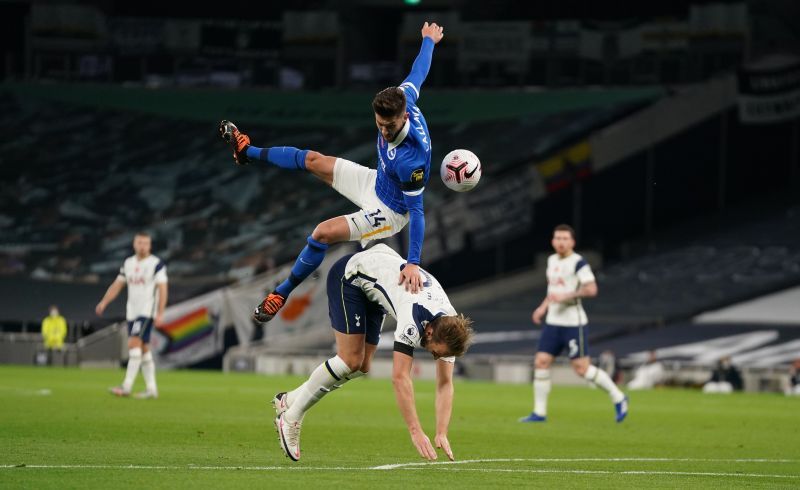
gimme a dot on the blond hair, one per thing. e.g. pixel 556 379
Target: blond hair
pixel 455 332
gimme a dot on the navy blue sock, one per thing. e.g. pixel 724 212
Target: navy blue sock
pixel 282 156
pixel 307 262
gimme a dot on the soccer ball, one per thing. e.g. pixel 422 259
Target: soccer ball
pixel 461 170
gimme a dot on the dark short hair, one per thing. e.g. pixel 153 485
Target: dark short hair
pixel 144 234
pixel 389 102
pixel 453 331
pixel 563 227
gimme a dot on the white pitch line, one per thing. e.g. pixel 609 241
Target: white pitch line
pixel 584 460
pixel 174 467
pixel 609 472
pixel 449 466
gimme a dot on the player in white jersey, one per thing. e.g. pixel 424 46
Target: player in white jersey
pixel 146 278
pixel 361 288
pixel 569 279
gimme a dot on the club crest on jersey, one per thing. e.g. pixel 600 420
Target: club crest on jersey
pixel 417 175
pixel 390 154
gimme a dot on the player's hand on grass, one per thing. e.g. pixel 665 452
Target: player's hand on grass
pixel 538 314
pixel 410 278
pixel 423 445
pixel 433 31
pixel 443 444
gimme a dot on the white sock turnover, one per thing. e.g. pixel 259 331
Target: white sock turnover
pixel 134 361
pixel 541 390
pixel 323 379
pixel 603 380
pixel 149 372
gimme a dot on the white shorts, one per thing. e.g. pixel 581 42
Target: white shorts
pixel 375 220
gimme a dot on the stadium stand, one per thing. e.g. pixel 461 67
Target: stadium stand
pixel 700 270
pixel 69 212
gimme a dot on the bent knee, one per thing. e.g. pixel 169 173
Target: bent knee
pixel 323 233
pixel 354 362
pixel 332 231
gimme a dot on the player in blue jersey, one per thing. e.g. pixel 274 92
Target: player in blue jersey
pixel 388 197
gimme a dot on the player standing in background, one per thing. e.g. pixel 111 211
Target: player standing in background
pixel 569 278
pixel 146 278
pixel 362 287
pixel 389 196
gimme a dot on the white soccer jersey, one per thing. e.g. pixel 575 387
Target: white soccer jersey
pixel 376 271
pixel 565 275
pixel 141 276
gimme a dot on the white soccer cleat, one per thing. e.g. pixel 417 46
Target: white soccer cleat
pixel 289 436
pixel 146 395
pixel 280 403
pixel 118 391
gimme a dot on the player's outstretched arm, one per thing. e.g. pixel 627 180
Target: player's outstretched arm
pixel 111 294
pixel 410 276
pixel 444 405
pixel 540 311
pixel 404 392
pixel 431 35
pixel 163 293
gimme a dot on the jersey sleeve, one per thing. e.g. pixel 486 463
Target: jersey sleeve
pixel 161 273
pixel 411 173
pixel 121 275
pixel 584 272
pixel 404 336
pixel 419 71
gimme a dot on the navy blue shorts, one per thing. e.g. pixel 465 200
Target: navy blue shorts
pixel 141 327
pixel 555 339
pixel 350 310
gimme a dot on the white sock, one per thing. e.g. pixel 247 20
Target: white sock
pixel 603 380
pixel 292 395
pixel 320 383
pixel 149 372
pixel 349 377
pixel 134 361
pixel 541 390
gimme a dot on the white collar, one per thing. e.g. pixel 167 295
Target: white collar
pixel 400 136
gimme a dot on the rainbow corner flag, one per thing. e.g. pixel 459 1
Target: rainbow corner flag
pixel 187 329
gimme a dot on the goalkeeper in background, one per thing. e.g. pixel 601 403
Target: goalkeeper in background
pixel 54 331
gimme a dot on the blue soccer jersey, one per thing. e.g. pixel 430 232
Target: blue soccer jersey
pixel 406 161
pixel 404 164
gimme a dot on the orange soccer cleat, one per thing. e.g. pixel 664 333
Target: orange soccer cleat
pixel 269 307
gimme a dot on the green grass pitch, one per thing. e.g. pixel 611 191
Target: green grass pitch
pixel 59 428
